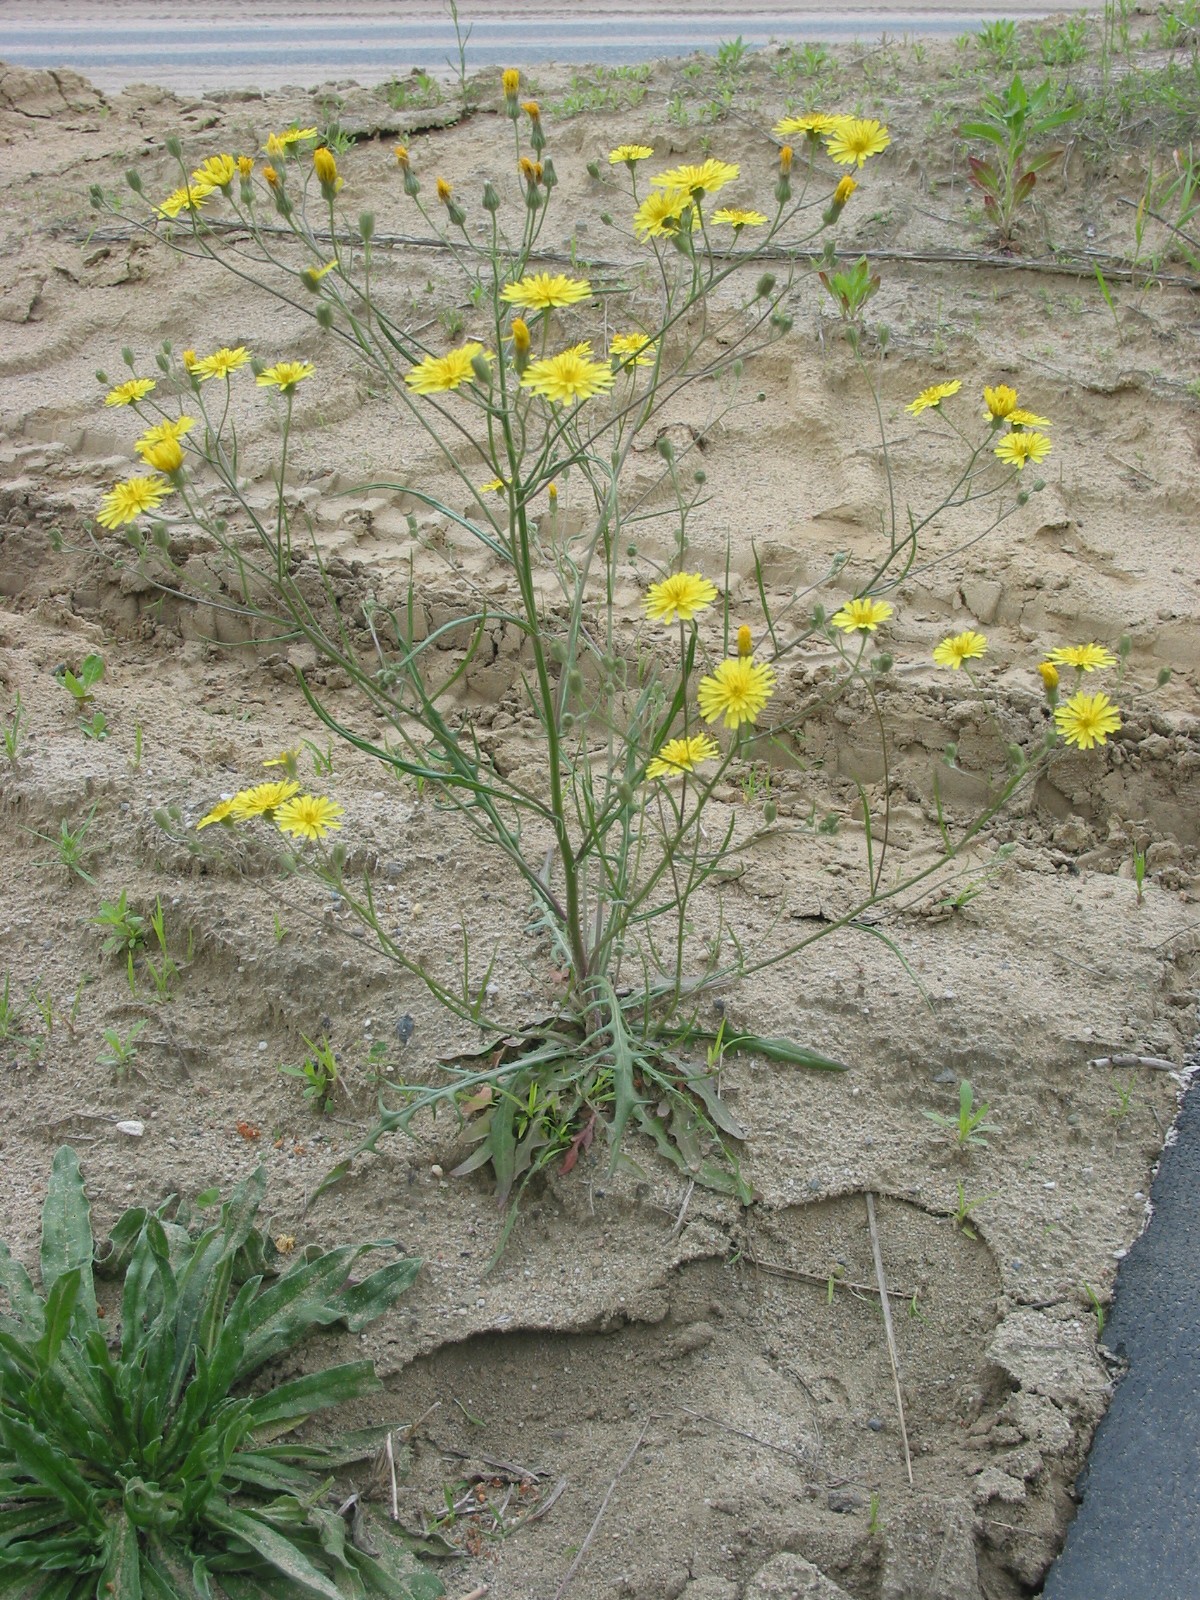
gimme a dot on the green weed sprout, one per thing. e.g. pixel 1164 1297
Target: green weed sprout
pixel 971 1123
pixel 138 1461
pixel 12 730
pixel 124 930
pixel 962 1214
pixel 71 850
pixel 319 1072
pixel 121 1051
pixel 91 670
pixel 550 467
pixel 1012 122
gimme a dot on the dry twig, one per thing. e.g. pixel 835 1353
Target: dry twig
pixel 887 1323
pixel 596 1520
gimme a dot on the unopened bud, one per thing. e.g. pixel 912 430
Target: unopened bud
pixel 549 176
pixel 134 180
pixel 456 214
pixel 325 166
pixel 765 284
pixel 366 225
pixel 745 641
pixel 770 811
pixel 665 448
pixel 491 200
pixel 624 793
pixel 785 160
pixel 325 316
pixel 558 652
pixel 1164 677
pixel 174 148
pixel 575 680
pixel 593 169
pixel 482 368
pixel 883 663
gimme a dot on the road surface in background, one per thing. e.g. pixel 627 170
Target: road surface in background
pixel 196 44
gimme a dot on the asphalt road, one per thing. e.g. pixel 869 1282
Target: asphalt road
pixel 195 44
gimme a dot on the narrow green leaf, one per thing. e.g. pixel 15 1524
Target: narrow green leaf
pixel 67 1233
pixel 122 1579
pixel 60 1308
pixel 315 1392
pixel 279 1552
pixel 24 1299
pixel 363 1302
pixel 49 1468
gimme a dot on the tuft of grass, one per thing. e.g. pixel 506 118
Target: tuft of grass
pixel 968 1128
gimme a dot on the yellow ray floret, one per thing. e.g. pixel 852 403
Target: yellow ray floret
pixel 633 349
pixel 308 816
pixel 708 176
pixel 162 431
pixel 188 198
pixel 568 377
pixel 127 501
pixel 221 363
pixel 1000 401
pixel 853 139
pixel 660 214
pixel 217 172
pixel 1087 719
pixel 933 396
pixel 539 291
pixel 132 389
pixel 1083 657
pixel 440 374
pixel 221 812
pixel 629 153
pixel 678 756
pixel 682 596
pixel 285 375
pixel 960 647
pixel 1015 449
pixel 813 123
pixel 261 798
pixel 737 690
pixel 861 614
pixel 1019 418
pixel 739 217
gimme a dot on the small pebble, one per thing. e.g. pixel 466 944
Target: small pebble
pixel 133 1128
pixel 875 1425
pixel 436 1170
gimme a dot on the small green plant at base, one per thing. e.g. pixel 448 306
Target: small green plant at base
pixel 12 730
pixel 1012 122
pixel 971 1122
pixel 140 1463
pixel 71 851
pixel 1139 873
pixel 1124 1093
pixel 965 1207
pixel 1097 1309
pixel 121 1051
pixel 851 290
pixel 163 971
pixel 124 930
pixel 998 42
pixel 280 930
pixel 10 1014
pixel 1064 45
pixel 91 670
pixel 94 727
pixel 319 1072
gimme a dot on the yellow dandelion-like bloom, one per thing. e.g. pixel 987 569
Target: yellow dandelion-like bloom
pixel 510 82
pixel 960 647
pixel 1049 676
pixel 132 389
pixel 217 172
pixel 678 756
pixel 400 151
pixel 659 215
pixel 539 291
pixel 531 109
pixel 313 275
pixel 221 812
pixel 862 614
pixel 785 160
pixel 164 456
pixel 933 396
pixel 189 359
pixel 568 377
pixel 261 798
pixel 286 759
pixel 853 139
pixel 708 176
pixel 309 816
pixel 745 640
pixel 844 190
pixel 999 401
pixel 1027 419
pixel 444 190
pixel 630 153
pixel 271 175
pixel 1083 657
pixel 1015 449
pixel 439 374
pixel 285 375
pixel 812 123
pixel 221 363
pixel 634 349
pixel 278 144
pixel 739 217
pixel 493 486
pixel 1087 719
pixel 738 690
pixel 162 431
pixel 684 595
pixel 127 501
pixel 190 197
pixel 325 166
pixel 245 166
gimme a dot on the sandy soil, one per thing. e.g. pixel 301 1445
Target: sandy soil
pixel 623 1310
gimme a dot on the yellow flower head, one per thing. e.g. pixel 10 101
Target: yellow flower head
pixel 813 124
pixel 629 154
pixel 1083 657
pixel 853 139
pixel 843 191
pixel 132 389
pixel 531 109
pixel 444 191
pixel 325 165
pixel 261 799
pixel 706 176
pixel 739 217
pixel 440 374
pixel 189 359
pixel 1015 449
pixel 245 166
pixel 1087 719
pixel 684 595
pixel 678 756
pixel 539 291
pixel 520 335
pixel 660 214
pixel 401 153
pixel 745 641
pixel 188 198
pixel 737 690
pixel 493 486
pixel 1049 676
pixel 127 501
pixel 161 431
pixel 221 812
pixel 166 455
pixel 999 401
pixel 786 156
pixel 633 349
pixel 286 759
pixel 278 144
pixel 569 377
pixel 1027 419
pixel 221 363
pixel 313 275
pixel 271 176
pixel 932 397
pixel 863 614
pixel 217 172
pixel 308 816
pixel 960 647
pixel 510 81
pixel 285 375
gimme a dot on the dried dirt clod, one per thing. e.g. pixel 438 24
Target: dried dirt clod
pixel 791 1577
pixel 930 1553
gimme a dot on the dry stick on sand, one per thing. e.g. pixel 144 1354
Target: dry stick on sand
pixel 782 1271
pixel 1125 1062
pixel 887 1323
pixel 596 1520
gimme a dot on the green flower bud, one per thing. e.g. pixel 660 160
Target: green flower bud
pixel 575 680
pixel 1164 677
pixel 102 377
pixel 549 176
pixel 174 148
pixel 770 812
pixel 127 355
pixel 631 550
pixel 663 445
pixel 624 793
pixel 366 225
pixel 482 368
pixel 606 218
pixel 883 663
pixel 456 213
pixel 491 200
pixel 699 476
pixel 134 180
pixel 593 169
pixel 325 316
pixel 558 652
pixel 764 286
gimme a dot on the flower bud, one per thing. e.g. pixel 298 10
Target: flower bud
pixel 745 641
pixel 325 316
pixel 455 213
pixel 400 151
pixel 575 680
pixel 444 191
pixel 665 448
pixel 134 180
pixel 482 368
pixel 412 184
pixel 631 550
pixel 165 456
pixel 843 192
pixel 510 82
pixel 245 166
pixel 271 176
pixel 491 200
pixel 552 491
pixel 549 176
pixel 783 190
pixel 1016 756
pixel 765 285
pixel 520 341
pixel 1164 677
pixel 366 225
pixel 883 663
pixel 127 356
pixel 558 652
pixel 325 167
pixel 770 812
pixel 593 169
pixel 174 148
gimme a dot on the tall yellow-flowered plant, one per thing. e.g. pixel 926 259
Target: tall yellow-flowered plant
pixel 543 418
